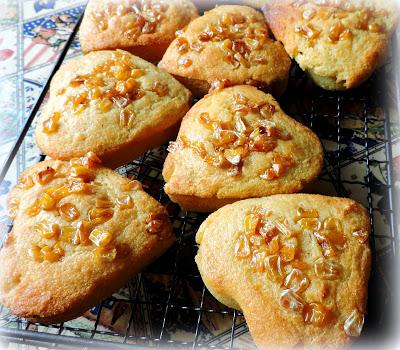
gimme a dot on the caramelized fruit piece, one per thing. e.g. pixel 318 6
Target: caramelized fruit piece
pixel 251 224
pixel 45 176
pixel 354 324
pixel 68 211
pixel 124 202
pixel 52 254
pixel 317 314
pixel 35 253
pixel 48 231
pixel 131 186
pixel 297 281
pixel 47 202
pixel 26 182
pixel 99 216
pixel 51 125
pixel 361 235
pixel 292 301
pixel 273 267
pixel 242 247
pixel 100 238
pixel 327 269
pixel 82 172
pixel 257 261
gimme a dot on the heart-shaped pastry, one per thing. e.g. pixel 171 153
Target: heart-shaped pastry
pixel 237 143
pixel 80 233
pixel 338 43
pixel 229 45
pixel 112 103
pixel 142 27
pixel 296 265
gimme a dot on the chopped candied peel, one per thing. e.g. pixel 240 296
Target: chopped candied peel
pixel 77 228
pixel 272 246
pixel 231 142
pixel 157 224
pixel 239 37
pixel 143 16
pixel 113 84
pixel 364 21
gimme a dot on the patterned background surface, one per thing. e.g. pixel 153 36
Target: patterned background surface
pixel 32 34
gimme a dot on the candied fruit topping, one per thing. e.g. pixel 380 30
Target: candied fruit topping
pixel 327 269
pixel 232 141
pixel 317 314
pixel 273 266
pixel 242 247
pixel 91 160
pixel 99 216
pixel 273 246
pixel 354 324
pixel 143 16
pixel 26 182
pixel 124 202
pixel 45 176
pixel 113 84
pixel 160 89
pixel 361 235
pixel 13 208
pixel 47 202
pixel 100 238
pixel 239 37
pixel 69 211
pixel 156 223
pixel 291 300
pixel 279 167
pixel 297 281
pixel 131 186
pixel 51 125
pixel 48 231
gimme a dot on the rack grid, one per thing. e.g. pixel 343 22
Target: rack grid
pixel 169 297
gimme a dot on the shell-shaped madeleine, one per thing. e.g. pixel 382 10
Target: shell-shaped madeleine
pixel 237 143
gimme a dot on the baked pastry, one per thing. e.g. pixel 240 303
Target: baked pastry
pixel 80 233
pixel 297 266
pixel 338 43
pixel 237 143
pixel 229 45
pixel 112 103
pixel 142 27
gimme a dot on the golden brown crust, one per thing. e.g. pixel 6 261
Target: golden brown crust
pixel 238 57
pixel 339 44
pixel 197 184
pixel 154 118
pixel 236 283
pixel 110 25
pixel 61 290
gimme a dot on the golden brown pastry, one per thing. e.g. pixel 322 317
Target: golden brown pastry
pixel 80 233
pixel 142 27
pixel 296 265
pixel 112 103
pixel 338 43
pixel 237 143
pixel 229 45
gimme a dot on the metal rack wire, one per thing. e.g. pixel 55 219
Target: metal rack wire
pixel 329 115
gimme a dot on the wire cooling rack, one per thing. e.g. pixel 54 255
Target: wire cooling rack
pixel 168 304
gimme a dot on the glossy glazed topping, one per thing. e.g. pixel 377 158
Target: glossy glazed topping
pixel 70 226
pixel 238 36
pixel 140 16
pixel 348 20
pixel 273 246
pixel 229 143
pixel 111 85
